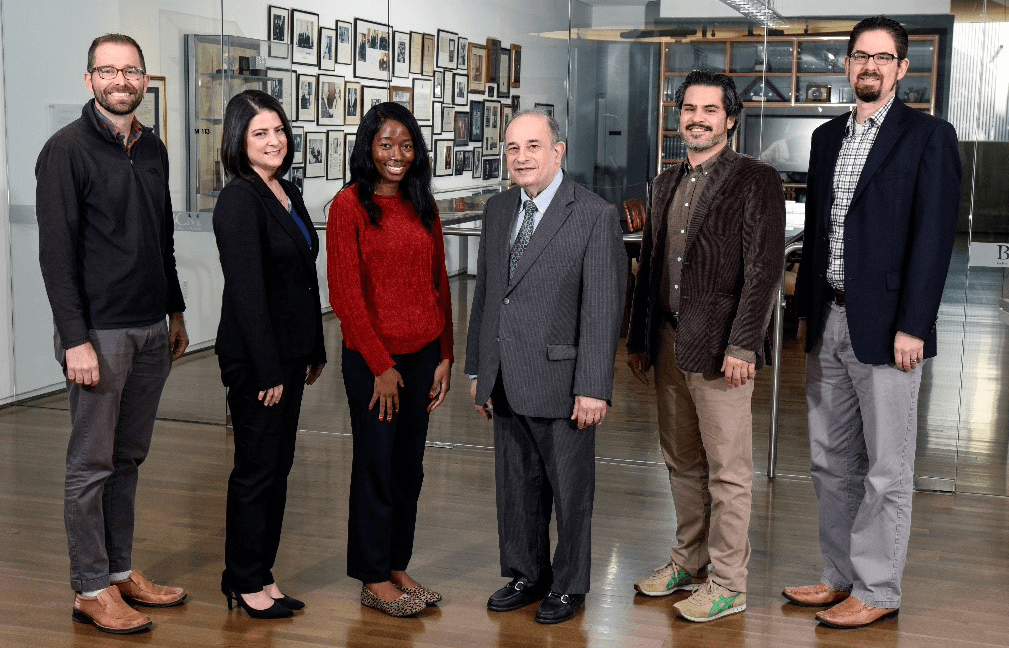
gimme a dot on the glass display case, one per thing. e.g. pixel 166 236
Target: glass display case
pixel 217 69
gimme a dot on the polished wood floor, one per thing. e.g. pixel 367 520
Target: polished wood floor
pixel 955 585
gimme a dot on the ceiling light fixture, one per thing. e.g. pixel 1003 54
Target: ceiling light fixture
pixel 760 11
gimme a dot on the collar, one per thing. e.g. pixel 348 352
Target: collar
pixel 546 196
pixel 708 165
pixel 873 120
pixel 136 128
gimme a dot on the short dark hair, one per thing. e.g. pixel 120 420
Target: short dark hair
pixel 242 108
pixel 121 39
pixel 730 98
pixel 886 24
pixel 416 184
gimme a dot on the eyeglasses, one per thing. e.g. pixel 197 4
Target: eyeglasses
pixel 109 72
pixel 882 58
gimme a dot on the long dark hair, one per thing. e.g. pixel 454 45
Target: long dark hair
pixel 416 184
pixel 241 110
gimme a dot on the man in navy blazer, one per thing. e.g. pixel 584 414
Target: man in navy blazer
pixel 543 332
pixel 881 210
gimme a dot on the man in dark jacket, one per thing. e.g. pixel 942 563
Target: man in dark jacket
pixel 108 261
pixel 711 259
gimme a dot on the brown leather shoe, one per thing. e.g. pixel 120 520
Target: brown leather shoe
pixel 853 613
pixel 819 595
pixel 138 590
pixel 109 613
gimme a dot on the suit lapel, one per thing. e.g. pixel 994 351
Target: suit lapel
pixel 553 218
pixel 889 132
pixel 713 187
pixel 286 220
pixel 504 218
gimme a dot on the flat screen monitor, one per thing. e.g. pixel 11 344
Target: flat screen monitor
pixel 783 141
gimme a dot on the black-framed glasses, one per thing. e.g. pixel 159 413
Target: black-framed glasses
pixel 108 72
pixel 881 58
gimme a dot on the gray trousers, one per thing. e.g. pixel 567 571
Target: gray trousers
pixel 539 464
pixel 111 427
pixel 862 429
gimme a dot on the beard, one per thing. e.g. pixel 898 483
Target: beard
pixel 702 144
pixel 866 93
pixel 120 108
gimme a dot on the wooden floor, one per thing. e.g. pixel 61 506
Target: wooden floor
pixel 955 586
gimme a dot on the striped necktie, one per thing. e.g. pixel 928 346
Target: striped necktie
pixel 522 240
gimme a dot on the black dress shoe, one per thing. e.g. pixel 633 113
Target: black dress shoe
pixel 558 607
pixel 290 602
pixel 514 595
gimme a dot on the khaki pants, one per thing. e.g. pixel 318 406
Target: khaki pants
pixel 705 432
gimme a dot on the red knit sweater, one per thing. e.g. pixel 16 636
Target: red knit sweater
pixel 387 284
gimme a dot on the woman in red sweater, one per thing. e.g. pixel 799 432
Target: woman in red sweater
pixel 389 287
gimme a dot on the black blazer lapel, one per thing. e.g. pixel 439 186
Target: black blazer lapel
pixel 889 132
pixel 553 218
pixel 286 221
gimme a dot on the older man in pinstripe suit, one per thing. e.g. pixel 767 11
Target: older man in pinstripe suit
pixel 542 335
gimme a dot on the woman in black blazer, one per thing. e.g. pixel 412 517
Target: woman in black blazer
pixel 269 341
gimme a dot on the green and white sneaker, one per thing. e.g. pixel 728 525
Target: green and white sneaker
pixel 667 579
pixel 711 601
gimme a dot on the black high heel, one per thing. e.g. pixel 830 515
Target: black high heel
pixel 290 602
pixel 275 611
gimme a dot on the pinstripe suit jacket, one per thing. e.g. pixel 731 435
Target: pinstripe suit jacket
pixel 552 332
pixel 732 264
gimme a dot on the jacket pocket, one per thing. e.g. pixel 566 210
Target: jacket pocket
pixel 562 351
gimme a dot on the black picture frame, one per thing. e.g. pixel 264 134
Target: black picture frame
pixel 491 167
pixel 401 54
pixel 460 161
pixel 443 149
pixel 305 40
pixel 460 89
pixel 344 42
pixel 477 164
pixel 372 47
pixel 476 121
pixel 462 61
pixel 422 99
pixel 307 86
pixel 448 50
pixel 298 145
pixel 278 31
pixel 315 154
pixel 330 92
pixel 327 49
pixel 460 128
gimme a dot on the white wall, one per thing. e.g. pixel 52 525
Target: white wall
pixel 716 9
pixel 159 26
pixel 6 310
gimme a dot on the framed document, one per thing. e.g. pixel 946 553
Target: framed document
pixel 401 55
pixel 306 100
pixel 372 45
pixel 352 106
pixel 422 99
pixel 443 157
pixel 344 45
pixel 334 155
pixel 152 110
pixel 416 52
pixel 331 97
pixel 315 155
pixel 327 48
pixel 448 45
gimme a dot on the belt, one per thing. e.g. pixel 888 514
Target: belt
pixel 835 295
pixel 672 318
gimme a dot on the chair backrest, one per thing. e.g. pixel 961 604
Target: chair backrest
pixel 634 213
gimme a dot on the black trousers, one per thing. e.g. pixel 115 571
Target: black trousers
pixel 388 467
pixel 540 464
pixel 257 488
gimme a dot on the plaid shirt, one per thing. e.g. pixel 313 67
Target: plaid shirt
pixel 855 146
pixel 136 128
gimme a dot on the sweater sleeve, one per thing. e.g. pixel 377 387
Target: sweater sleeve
pixel 344 272
pixel 176 303
pixel 440 275
pixel 58 213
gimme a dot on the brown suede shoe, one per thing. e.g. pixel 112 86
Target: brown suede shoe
pixel 138 590
pixel 109 613
pixel 819 595
pixel 853 613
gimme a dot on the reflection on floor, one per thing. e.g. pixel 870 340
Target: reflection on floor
pixel 954 587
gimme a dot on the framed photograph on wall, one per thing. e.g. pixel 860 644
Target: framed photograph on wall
pixel 344 43
pixel 460 161
pixel 297 177
pixel 327 48
pixel 493 60
pixel 298 145
pixel 281 88
pixel 422 89
pixel 463 59
pixel 448 49
pixel 427 134
pixel 491 167
pixel 506 118
pixel 403 95
pixel 476 121
pixel 545 107
pixel 467 160
pixel 439 84
pixel 372 44
pixel 460 93
pixel 477 67
pixel 331 97
pixel 443 157
pixel 334 155
pixel 348 150
pixel 427 60
pixel 447 119
pixel 491 91
pixel 516 103
pixel 352 106
pixel 504 75
pixel 491 127
pixel 477 164
pixel 436 117
pixel 306 98
pixel 516 71
pixel 278 30
pixel 416 52
pixel 371 97
pixel 460 128
pixel 304 35
pixel 153 110
pixel 315 155
pixel 401 54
